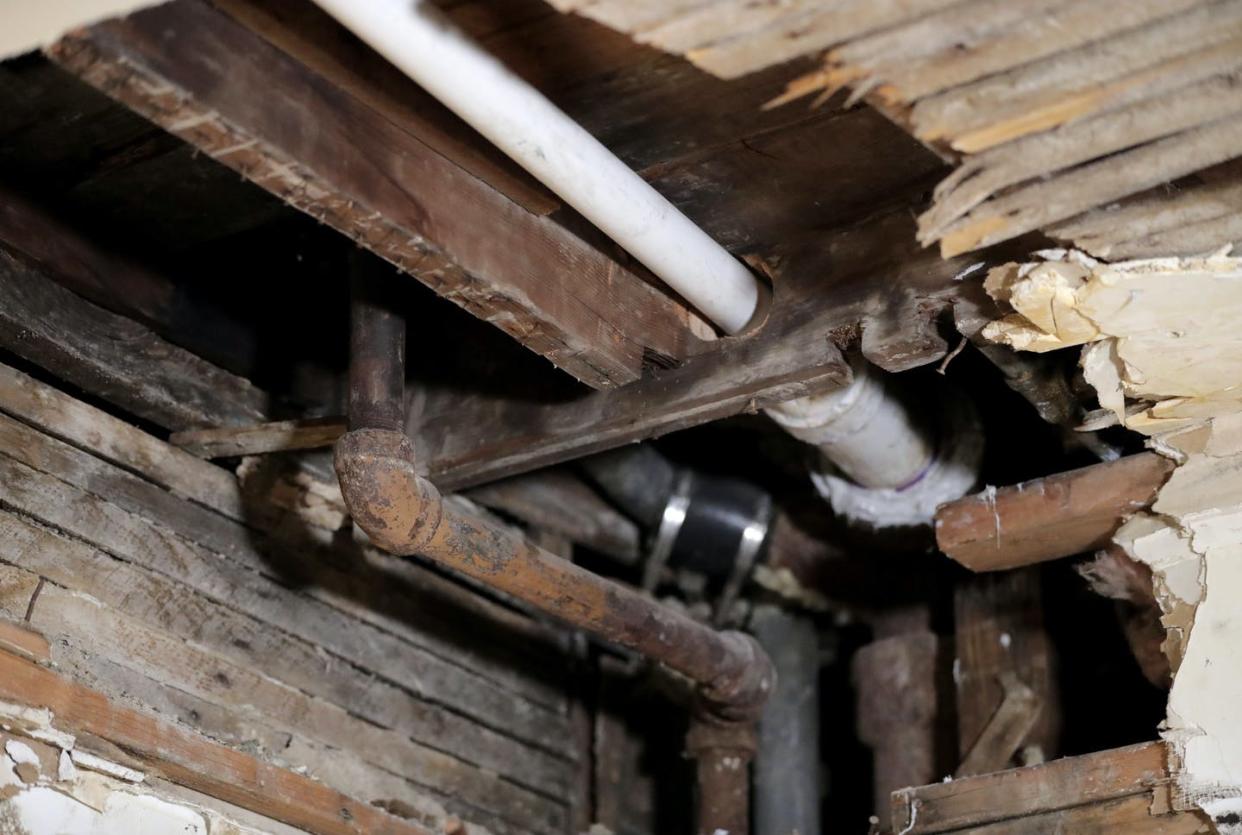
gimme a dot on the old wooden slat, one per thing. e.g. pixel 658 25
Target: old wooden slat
pixel 1191 239
pixel 1003 672
pixel 1048 518
pixel 894 680
pixel 195 71
pixel 337 768
pixel 1060 784
pixel 278 436
pixel 114 440
pixel 375 588
pixel 983 175
pixel 863 269
pixel 177 611
pixel 17 639
pixel 1136 64
pixel 243 588
pixel 116 358
pixel 1075 191
pixel 1049 30
pixel 102 630
pixel 811 27
pixel 1212 194
pixel 190 760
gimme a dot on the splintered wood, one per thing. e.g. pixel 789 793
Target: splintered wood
pixel 1055 110
pixel 1162 351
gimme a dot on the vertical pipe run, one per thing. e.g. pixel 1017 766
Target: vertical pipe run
pixel 787 764
pixel 377 353
pixel 403 513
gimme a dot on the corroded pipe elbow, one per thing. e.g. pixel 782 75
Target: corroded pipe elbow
pixel 404 514
pixel 397 508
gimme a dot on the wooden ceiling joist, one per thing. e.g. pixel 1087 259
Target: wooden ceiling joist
pixel 395 180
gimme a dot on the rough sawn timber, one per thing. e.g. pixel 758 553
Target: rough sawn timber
pixel 311 141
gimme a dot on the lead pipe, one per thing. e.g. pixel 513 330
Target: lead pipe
pixel 403 513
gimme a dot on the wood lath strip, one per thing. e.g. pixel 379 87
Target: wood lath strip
pixel 1110 231
pixel 1067 86
pixel 1079 189
pixel 191 760
pixel 981 176
pixel 1014 90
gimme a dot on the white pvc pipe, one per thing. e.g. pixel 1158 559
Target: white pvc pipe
pixel 863 429
pixel 423 44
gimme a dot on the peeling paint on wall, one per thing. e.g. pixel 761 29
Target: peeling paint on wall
pixel 1163 349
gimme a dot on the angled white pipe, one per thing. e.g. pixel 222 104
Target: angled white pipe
pixel 514 116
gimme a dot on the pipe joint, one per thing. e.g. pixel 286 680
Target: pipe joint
pixel 397 508
pixel 738 693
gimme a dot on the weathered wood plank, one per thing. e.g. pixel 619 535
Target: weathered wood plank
pixel 195 71
pixel 127 446
pixel 116 358
pixel 1060 784
pixel 178 612
pixel 243 588
pixel 278 436
pixel 836 285
pixel 372 587
pixel 1048 518
pixel 102 630
pixel 190 760
pixel 1131 815
pixel 1004 673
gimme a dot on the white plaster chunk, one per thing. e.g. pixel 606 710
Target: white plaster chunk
pixel 1164 353
pixel 19 752
pixel 82 759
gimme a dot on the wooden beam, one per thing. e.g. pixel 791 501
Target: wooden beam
pixel 190 760
pixel 325 142
pixel 1048 518
pixel 869 279
pixel 260 438
pixel 1084 784
pixel 117 358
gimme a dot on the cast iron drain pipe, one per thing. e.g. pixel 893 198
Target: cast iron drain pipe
pixel 403 513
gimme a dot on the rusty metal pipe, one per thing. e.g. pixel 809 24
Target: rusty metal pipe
pixel 403 513
pixel 376 352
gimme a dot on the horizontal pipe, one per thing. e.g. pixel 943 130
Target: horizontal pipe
pixel 1049 518
pixel 404 514
pixel 421 42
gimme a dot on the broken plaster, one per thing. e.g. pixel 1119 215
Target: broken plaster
pixel 1163 349
pixel 42 791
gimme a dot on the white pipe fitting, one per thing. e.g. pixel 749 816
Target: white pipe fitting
pixel 426 46
pixel 881 463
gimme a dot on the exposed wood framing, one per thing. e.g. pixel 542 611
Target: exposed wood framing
pixel 1123 790
pixel 174 604
pixel 314 140
pixel 192 760
pixel 117 358
pixel 279 436
pixel 881 286
pixel 1003 673
pixel 1053 108
pixel 1048 518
